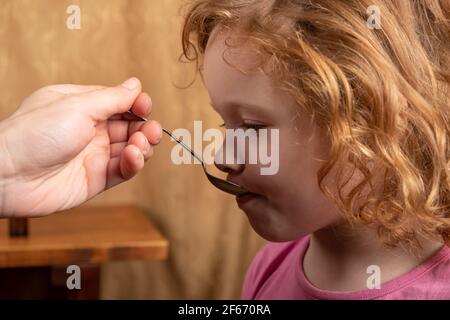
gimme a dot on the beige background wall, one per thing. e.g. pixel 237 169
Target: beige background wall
pixel 211 241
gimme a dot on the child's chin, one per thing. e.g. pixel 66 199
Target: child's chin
pixel 271 233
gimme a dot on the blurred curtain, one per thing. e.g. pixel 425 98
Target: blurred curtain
pixel 211 242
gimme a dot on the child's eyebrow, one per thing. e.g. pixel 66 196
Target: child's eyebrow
pixel 236 109
pixel 235 104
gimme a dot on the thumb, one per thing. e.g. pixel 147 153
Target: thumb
pixel 103 103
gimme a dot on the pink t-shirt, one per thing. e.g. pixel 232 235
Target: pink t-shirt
pixel 277 273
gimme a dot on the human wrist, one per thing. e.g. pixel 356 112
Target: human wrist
pixel 6 166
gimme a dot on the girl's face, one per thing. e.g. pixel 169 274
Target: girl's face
pixel 288 204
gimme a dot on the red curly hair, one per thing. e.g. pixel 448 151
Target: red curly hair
pixel 382 95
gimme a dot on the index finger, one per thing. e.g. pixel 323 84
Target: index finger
pixel 74 88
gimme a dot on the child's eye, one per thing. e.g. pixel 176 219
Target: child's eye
pixel 254 126
pixel 246 126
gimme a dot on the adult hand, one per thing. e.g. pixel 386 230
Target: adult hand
pixel 67 143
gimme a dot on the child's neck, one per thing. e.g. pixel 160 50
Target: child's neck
pixel 337 262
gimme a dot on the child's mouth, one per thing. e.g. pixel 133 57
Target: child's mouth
pixel 244 198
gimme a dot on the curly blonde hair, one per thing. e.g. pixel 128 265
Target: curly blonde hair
pixel 382 95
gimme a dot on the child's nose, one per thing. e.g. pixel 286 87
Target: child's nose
pixel 225 164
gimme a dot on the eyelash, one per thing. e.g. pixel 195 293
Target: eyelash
pixel 247 126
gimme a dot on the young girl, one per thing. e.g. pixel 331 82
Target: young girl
pixel 360 206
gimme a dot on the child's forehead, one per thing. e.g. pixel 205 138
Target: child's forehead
pixel 233 45
pixel 235 62
pixel 233 74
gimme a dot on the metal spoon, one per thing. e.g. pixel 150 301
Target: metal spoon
pixel 224 185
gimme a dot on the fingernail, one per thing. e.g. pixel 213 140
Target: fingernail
pixel 146 150
pixel 131 83
pixel 160 134
pixel 138 154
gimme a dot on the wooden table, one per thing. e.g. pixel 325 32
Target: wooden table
pixel 34 266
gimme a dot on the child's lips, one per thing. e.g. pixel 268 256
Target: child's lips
pixel 246 197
